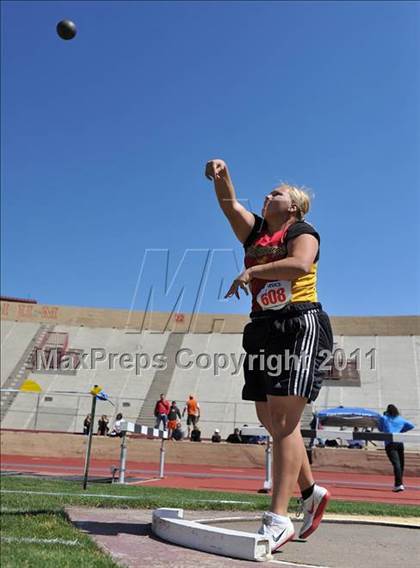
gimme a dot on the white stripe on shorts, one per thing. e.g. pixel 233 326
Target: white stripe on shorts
pixel 305 355
pixel 292 367
pixel 293 363
pixel 315 354
pixel 311 355
pixel 305 340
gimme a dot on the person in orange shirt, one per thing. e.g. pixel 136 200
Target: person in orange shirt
pixel 192 408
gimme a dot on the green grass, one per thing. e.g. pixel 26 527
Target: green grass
pixel 42 516
pixel 149 497
pixel 46 523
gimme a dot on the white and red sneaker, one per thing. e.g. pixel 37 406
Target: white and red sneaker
pixel 313 510
pixel 277 533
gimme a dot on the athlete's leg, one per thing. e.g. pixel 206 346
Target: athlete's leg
pixel 287 396
pixel 392 453
pixel 285 413
pixel 305 479
pixel 401 456
pixel 263 415
pixel 189 425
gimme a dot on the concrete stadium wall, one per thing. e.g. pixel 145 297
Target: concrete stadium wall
pixel 192 323
pixel 15 338
pixel 394 377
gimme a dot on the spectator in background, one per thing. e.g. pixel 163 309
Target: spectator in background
pixel 196 434
pixel 87 424
pixel 216 438
pixel 116 430
pixel 366 429
pixel 162 407
pixel 234 438
pixel 315 425
pixel 261 440
pixel 245 439
pixel 251 439
pixel 392 422
pixel 333 443
pixel 192 408
pixel 257 440
pixel 356 444
pixel 173 416
pixel 103 425
pixel 178 434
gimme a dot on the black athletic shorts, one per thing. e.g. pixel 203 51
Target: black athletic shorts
pixel 192 420
pixel 284 350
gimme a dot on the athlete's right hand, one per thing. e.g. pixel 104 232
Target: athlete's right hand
pixel 215 169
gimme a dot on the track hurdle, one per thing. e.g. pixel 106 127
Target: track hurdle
pixel 343 434
pixel 133 428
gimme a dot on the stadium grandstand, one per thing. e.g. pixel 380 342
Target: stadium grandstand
pixel 136 356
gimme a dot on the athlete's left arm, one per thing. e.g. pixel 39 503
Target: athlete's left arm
pixel 301 254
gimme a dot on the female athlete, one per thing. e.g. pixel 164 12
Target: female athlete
pixel 285 341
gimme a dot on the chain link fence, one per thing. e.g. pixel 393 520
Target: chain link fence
pixel 66 412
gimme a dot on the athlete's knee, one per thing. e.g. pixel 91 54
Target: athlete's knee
pixel 283 426
pixel 285 415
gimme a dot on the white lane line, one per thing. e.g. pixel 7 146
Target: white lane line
pixel 143 481
pixel 106 496
pixel 223 501
pixel 296 564
pixel 65 494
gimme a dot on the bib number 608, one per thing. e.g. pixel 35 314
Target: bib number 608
pixel 275 296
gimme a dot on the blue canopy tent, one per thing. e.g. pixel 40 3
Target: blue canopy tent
pixel 349 416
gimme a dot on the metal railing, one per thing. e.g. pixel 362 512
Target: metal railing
pixel 57 411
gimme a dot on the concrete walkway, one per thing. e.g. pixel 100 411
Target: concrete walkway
pixel 339 543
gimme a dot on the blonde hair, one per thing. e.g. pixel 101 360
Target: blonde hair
pixel 300 197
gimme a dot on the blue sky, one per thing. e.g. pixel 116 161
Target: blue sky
pixel 105 137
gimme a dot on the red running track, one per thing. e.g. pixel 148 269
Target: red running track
pixel 343 486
